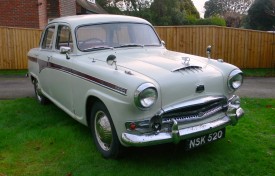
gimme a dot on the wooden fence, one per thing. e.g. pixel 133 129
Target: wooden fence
pixel 244 48
pixel 14 46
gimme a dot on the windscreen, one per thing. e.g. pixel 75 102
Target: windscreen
pixel 115 35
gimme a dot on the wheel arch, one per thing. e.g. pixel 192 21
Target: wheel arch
pixel 91 100
pixel 33 78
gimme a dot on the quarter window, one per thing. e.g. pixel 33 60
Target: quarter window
pixel 64 37
pixel 48 38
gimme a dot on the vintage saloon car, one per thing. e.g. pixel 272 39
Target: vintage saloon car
pixel 113 74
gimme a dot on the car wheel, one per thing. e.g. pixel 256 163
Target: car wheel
pixel 39 96
pixel 103 132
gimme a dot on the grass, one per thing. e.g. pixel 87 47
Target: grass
pixel 43 141
pixel 13 72
pixel 259 72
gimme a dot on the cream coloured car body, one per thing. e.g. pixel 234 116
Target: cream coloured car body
pixel 71 83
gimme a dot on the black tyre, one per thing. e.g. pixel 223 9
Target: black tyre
pixel 39 96
pixel 103 132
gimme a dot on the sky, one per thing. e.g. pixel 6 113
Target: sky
pixel 199 5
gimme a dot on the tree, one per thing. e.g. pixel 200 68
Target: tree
pixel 220 7
pixel 189 8
pixel 166 12
pixel 110 6
pixel 125 5
pixel 172 12
pixel 158 12
pixel 261 15
pixel 231 10
pixel 270 9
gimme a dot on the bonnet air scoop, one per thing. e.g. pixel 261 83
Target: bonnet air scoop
pixel 188 68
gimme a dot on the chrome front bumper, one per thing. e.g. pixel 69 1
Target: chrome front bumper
pixel 234 113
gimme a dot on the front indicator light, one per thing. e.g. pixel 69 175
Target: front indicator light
pixel 132 126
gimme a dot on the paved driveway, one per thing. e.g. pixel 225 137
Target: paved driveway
pixel 18 87
pixel 15 87
pixel 258 88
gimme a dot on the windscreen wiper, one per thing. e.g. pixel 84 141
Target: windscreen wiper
pixel 98 48
pixel 129 45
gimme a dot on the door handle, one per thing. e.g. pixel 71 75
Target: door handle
pixel 49 58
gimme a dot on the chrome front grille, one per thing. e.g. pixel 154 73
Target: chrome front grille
pixel 195 117
pixel 195 112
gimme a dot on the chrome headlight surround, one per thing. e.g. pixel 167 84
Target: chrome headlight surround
pixel 145 96
pixel 235 80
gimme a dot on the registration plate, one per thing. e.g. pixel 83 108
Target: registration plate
pixel 199 141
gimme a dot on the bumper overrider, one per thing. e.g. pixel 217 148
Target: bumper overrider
pixel 174 134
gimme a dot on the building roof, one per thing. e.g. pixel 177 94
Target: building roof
pixel 92 7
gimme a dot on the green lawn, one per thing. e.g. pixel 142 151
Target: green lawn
pixel 259 72
pixel 13 72
pixel 43 140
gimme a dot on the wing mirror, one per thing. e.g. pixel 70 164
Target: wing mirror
pixel 65 50
pixel 111 59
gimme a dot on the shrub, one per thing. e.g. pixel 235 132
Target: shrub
pixel 215 20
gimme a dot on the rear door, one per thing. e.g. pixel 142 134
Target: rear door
pixel 43 57
pixel 61 72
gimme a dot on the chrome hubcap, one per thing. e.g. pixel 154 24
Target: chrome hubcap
pixel 103 130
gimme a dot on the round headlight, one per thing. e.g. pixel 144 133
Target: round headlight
pixel 145 96
pixel 235 80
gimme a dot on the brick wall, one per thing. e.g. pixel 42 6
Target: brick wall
pixel 78 9
pixel 34 13
pixel 67 7
pixel 19 13
pixel 42 13
pixel 53 8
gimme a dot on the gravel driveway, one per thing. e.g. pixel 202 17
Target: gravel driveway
pixel 12 87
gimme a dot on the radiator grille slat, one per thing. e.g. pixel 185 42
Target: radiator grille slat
pixel 195 112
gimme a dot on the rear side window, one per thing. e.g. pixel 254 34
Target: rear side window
pixel 48 38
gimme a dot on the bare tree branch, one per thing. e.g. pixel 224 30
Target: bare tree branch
pixel 271 9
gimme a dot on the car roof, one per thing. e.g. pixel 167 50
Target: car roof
pixel 78 20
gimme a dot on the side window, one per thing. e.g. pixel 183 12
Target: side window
pixel 48 38
pixel 64 37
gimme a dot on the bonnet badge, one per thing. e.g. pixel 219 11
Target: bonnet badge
pixel 185 61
